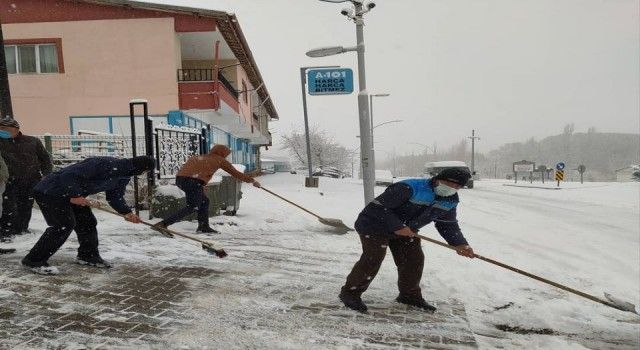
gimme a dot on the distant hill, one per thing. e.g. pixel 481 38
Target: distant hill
pixel 601 153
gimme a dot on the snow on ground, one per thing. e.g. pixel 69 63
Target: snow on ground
pixel 585 236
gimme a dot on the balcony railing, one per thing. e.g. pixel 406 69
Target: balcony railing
pixel 204 74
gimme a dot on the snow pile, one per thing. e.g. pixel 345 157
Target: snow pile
pixel 169 191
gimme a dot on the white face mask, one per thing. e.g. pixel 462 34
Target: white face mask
pixel 443 190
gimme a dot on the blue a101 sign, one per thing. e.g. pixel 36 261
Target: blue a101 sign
pixel 333 81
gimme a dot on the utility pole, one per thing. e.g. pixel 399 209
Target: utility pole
pixel 6 109
pixel 366 143
pixel 473 138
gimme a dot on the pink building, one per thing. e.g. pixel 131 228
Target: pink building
pixel 76 65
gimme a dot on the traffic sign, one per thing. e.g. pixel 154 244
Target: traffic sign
pixel 330 81
pixel 560 166
pixel 559 175
pixel 581 168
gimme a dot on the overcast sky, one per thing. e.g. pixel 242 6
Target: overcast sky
pixel 509 69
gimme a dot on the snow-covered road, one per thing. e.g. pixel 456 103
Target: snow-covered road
pixel 278 288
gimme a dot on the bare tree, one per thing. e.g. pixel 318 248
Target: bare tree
pixel 325 152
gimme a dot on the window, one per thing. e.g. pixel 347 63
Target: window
pixel 32 58
pixel 10 55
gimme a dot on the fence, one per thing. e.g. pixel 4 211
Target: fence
pixel 173 145
pixel 205 74
pixel 69 149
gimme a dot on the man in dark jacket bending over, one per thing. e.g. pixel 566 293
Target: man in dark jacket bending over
pixel 393 220
pixel 61 198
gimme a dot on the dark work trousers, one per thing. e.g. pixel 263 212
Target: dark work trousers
pixel 62 218
pixel 407 254
pixel 196 200
pixel 17 205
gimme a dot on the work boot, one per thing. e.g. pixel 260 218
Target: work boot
pixel 416 301
pixel 7 251
pixel 353 302
pixel 93 260
pixel 205 228
pixel 40 268
pixel 162 228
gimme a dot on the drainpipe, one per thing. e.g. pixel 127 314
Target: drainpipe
pixel 216 61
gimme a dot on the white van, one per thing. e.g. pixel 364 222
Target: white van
pixel 432 169
pixel 384 177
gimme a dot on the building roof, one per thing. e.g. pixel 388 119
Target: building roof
pixel 229 28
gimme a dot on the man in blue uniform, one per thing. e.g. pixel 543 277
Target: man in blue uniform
pixel 393 220
pixel 61 198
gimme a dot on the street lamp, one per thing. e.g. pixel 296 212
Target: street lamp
pixel 366 145
pixel 385 123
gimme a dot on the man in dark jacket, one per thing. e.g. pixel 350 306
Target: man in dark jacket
pixel 28 162
pixel 393 220
pixel 61 198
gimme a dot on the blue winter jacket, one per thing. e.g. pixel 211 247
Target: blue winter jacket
pixel 414 204
pixel 91 176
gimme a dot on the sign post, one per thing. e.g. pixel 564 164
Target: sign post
pixel 559 172
pixel 320 82
pixel 581 170
pixel 542 169
pixel 522 167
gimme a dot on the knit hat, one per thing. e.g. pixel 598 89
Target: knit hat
pixel 459 176
pixel 8 121
pixel 142 164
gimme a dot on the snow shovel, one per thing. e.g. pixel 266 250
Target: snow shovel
pixel 337 223
pixel 209 246
pixel 611 300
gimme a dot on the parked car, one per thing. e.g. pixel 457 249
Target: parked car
pixel 384 177
pixel 329 172
pixel 432 169
pixel 268 171
pixel 300 170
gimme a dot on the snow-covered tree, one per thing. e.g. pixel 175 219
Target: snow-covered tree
pixel 325 152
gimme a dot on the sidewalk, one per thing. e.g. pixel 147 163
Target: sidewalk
pixel 261 296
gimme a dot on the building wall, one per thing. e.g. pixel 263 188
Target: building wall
pixel 106 63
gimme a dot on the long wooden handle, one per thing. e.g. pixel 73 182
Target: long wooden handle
pixel 292 203
pixel 102 208
pixel 530 275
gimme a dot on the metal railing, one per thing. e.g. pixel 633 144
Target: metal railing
pixel 70 149
pixel 173 146
pixel 205 74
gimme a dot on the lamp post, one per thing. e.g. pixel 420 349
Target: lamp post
pixel 366 144
pixel 473 138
